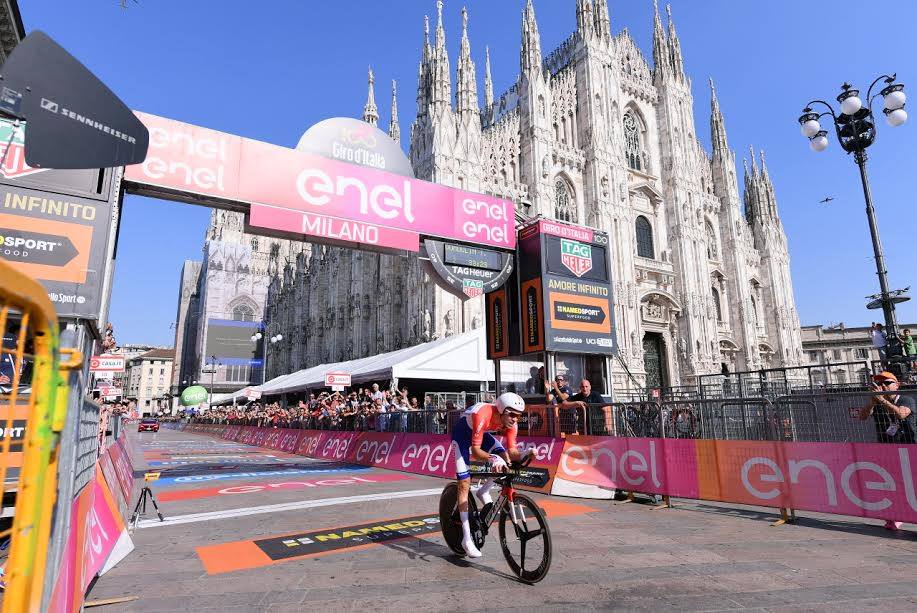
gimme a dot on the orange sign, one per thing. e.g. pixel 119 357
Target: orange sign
pixel 580 313
pixel 50 242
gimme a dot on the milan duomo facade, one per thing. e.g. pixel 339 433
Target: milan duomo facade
pixel 588 134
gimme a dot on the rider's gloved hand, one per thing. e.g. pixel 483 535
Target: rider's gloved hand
pixel 497 464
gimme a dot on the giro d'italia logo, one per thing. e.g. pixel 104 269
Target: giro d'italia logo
pixel 472 287
pixel 576 256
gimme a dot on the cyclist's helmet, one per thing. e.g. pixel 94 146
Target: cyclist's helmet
pixel 510 402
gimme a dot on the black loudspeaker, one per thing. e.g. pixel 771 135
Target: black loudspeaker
pixel 72 119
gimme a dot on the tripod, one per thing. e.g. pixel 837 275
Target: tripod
pixel 140 507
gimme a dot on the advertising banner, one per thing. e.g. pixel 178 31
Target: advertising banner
pixel 337 378
pixel 107 362
pixel 60 240
pixel 185 159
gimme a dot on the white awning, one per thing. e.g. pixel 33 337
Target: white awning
pixel 462 357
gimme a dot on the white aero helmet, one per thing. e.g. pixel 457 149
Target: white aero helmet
pixel 510 402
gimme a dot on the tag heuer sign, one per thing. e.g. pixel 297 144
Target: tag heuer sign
pixel 576 256
pixel 472 288
pixel 14 165
pixel 466 271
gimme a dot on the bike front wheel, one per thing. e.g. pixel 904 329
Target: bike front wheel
pixel 525 539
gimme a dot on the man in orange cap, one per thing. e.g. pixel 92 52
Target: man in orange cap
pixel 895 415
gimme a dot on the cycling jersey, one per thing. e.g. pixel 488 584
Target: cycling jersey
pixel 474 429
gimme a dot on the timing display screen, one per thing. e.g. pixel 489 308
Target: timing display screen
pixel 461 255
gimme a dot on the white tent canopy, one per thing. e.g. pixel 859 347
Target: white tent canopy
pixel 462 357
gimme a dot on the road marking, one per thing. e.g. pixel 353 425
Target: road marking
pixel 259 487
pixel 288 506
pixel 277 549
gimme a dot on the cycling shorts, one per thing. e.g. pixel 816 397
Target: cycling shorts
pixel 461 447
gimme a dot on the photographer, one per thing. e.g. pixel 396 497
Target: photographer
pixel 895 415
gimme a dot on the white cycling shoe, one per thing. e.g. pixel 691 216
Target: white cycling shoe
pixel 470 550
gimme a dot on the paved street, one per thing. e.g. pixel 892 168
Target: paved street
pixel 218 497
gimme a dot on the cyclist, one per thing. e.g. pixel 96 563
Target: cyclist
pixel 472 437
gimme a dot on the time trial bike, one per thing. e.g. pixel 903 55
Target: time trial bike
pixel 524 534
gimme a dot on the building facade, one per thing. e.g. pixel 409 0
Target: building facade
pixel 589 134
pixel 841 354
pixel 149 377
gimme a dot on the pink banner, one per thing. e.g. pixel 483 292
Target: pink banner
pixel 353 233
pixel 658 466
pixel 188 159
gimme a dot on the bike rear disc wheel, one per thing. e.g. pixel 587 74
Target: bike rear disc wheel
pixel 449 520
pixel 526 542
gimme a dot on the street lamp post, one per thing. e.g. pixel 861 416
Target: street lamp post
pixel 855 127
pixel 273 339
pixel 213 370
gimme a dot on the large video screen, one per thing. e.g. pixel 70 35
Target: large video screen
pixel 230 342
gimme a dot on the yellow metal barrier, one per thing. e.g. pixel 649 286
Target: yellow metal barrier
pixel 39 403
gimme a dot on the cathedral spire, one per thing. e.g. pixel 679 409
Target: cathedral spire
pixel 678 63
pixel 466 82
pixel 602 22
pixel 370 112
pixel 754 163
pixel 394 130
pixel 441 79
pixel 426 38
pixel 660 45
pixel 584 23
pixel 423 71
pixel 764 174
pixel 717 125
pixel 488 81
pixel 530 56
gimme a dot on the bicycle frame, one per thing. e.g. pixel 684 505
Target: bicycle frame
pixel 507 495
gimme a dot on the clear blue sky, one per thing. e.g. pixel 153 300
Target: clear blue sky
pixel 270 70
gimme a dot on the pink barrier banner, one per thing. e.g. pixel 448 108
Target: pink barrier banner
pixel 651 465
pixel 423 454
pixel 861 479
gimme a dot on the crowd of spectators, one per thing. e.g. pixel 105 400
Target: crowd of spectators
pixel 366 409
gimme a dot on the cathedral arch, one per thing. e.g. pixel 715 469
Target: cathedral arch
pixel 635 140
pixel 712 243
pixel 717 305
pixel 644 235
pixel 243 308
pixel 564 200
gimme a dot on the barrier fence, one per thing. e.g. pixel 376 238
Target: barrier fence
pixel 823 417
pixel 860 479
pixel 32 410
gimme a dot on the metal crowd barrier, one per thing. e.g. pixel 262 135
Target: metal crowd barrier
pixel 33 408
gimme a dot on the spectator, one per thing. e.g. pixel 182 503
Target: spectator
pixel 381 412
pixel 572 407
pixel 894 415
pixel 909 347
pixel 586 395
pixel 535 382
pixel 557 392
pixel 879 341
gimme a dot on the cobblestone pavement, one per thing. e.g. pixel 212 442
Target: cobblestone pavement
pixel 218 496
